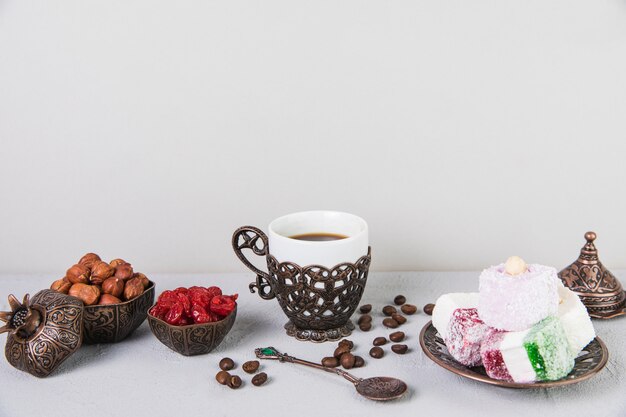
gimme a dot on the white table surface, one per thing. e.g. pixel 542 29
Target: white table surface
pixel 141 377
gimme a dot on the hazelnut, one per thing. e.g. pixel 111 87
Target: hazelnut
pixel 89 260
pixel 106 299
pixel 117 262
pixel 144 279
pixel 515 266
pixel 113 286
pixel 100 271
pixel 61 285
pixel 88 294
pixel 133 288
pixel 124 272
pixel 78 274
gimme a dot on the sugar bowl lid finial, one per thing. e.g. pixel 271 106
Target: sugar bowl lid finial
pixel 599 290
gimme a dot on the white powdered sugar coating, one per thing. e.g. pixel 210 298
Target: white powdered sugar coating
pixel 575 320
pixel 515 303
pixel 465 335
pixel 516 358
pixel 447 304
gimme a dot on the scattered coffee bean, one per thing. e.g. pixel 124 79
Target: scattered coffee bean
pixel 379 341
pixel 396 337
pixel 366 327
pixel 428 309
pixel 250 366
pixel 366 308
pixel 408 309
pixel 359 362
pixel 222 377
pixel 399 349
pixel 389 310
pixel 235 382
pixel 259 379
pixel 399 318
pixel 390 323
pixel 347 360
pixel 366 318
pixel 330 362
pixel 377 352
pixel 399 300
pixel 347 342
pixel 227 364
pixel 340 351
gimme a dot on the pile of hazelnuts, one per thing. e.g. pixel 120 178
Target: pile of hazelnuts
pixel 96 282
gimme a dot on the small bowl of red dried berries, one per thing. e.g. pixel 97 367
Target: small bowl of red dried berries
pixel 192 321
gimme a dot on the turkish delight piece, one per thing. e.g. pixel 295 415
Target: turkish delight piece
pixel 548 350
pixel 575 320
pixel 515 357
pixel 464 336
pixel 445 307
pixel 517 302
pixel 491 355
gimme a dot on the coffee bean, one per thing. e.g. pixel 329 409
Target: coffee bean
pixel 377 352
pixel 428 309
pixel 341 350
pixel 227 364
pixel 235 382
pixel 222 377
pixel 250 366
pixel 366 327
pixel 389 310
pixel 330 362
pixel 396 337
pixel 347 360
pixel 399 300
pixel 399 349
pixel 408 309
pixel 359 362
pixel 366 308
pixel 399 318
pixel 259 379
pixel 366 318
pixel 346 342
pixel 391 323
pixel 379 341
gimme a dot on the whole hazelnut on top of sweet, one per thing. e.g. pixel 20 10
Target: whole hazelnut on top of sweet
pixel 515 266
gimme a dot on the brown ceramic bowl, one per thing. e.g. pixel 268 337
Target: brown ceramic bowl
pixel 114 322
pixel 192 339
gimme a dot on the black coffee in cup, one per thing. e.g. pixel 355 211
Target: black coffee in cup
pixel 318 237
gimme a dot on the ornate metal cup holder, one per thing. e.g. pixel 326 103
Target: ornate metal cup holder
pixel 317 300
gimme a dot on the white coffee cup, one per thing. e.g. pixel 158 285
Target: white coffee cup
pixel 327 253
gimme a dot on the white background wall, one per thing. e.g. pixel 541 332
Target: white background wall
pixel 463 131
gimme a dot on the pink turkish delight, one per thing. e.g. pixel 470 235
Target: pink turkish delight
pixel 465 334
pixel 492 355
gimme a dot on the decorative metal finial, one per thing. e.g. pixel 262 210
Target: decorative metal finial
pixel 599 290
